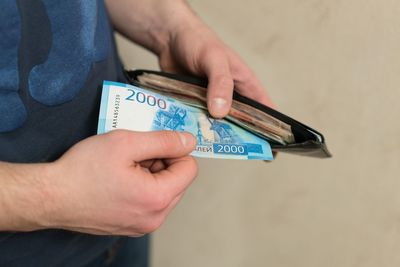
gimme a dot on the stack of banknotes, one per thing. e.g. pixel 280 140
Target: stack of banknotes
pixel 146 108
pixel 240 113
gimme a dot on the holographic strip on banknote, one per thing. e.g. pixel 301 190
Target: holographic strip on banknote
pixel 125 106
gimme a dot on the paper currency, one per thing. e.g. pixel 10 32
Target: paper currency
pixel 129 107
pixel 244 115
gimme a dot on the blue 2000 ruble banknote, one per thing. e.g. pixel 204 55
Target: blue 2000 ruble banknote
pixel 125 106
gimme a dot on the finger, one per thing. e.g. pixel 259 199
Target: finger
pixel 157 166
pixel 163 144
pixel 172 205
pixel 177 176
pixel 169 64
pixel 246 83
pixel 162 215
pixel 143 146
pixel 254 90
pixel 147 163
pixel 220 83
pixel 153 165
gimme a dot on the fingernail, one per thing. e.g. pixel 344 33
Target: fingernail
pixel 187 139
pixel 219 106
pixel 183 138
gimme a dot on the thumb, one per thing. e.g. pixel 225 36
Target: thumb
pixel 161 144
pixel 220 84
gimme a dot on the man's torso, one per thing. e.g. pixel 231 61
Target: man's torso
pixel 54 56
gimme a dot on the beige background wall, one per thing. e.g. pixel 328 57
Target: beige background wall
pixel 336 66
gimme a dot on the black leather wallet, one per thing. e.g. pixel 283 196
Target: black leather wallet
pixel 308 142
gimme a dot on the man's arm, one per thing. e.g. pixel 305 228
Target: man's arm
pixel 184 43
pixel 23 196
pixel 149 23
pixel 105 184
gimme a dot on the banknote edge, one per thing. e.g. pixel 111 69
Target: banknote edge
pixel 103 107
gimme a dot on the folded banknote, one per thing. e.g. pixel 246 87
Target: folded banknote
pixel 125 106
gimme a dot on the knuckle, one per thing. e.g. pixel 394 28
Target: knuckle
pixel 152 224
pixel 216 49
pixel 224 81
pixel 119 137
pixel 210 51
pixel 119 142
pixel 170 140
pixel 194 166
pixel 244 76
pixel 159 201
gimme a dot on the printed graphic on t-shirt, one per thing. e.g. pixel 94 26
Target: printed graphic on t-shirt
pixel 79 36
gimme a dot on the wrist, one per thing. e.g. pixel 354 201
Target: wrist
pixel 153 23
pixel 178 18
pixel 26 196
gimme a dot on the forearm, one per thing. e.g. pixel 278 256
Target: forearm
pixel 24 196
pixel 151 23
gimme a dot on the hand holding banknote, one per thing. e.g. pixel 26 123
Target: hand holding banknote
pixel 120 183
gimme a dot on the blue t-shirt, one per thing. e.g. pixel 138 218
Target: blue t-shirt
pixel 54 56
